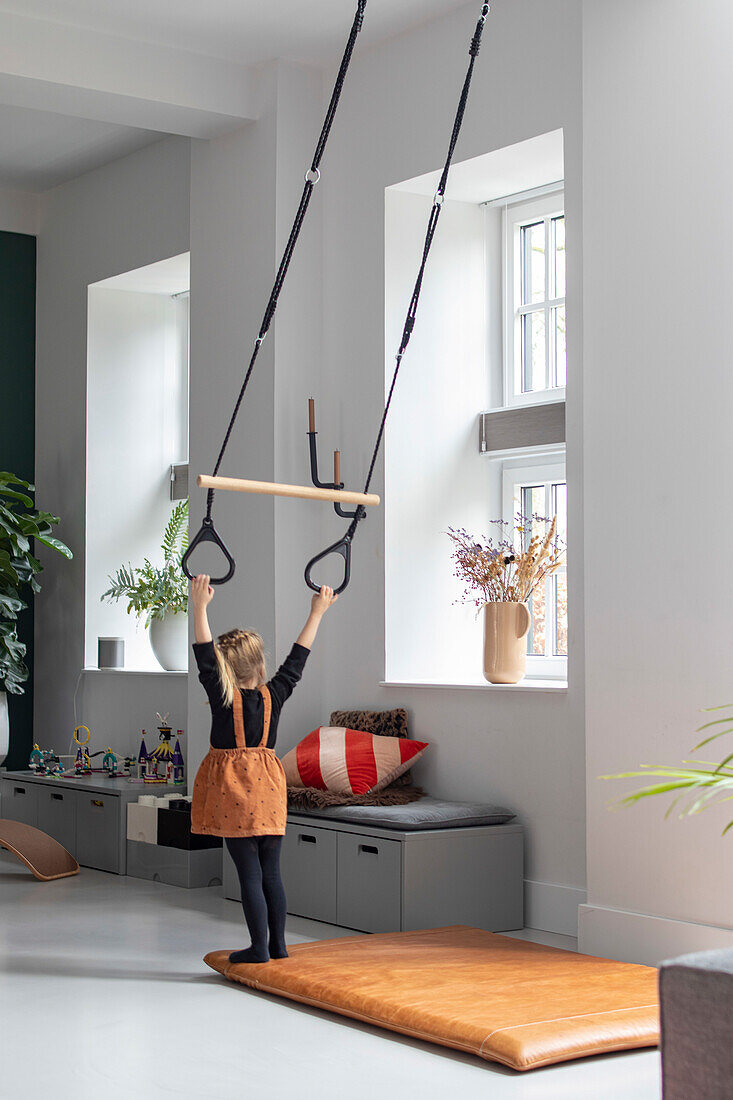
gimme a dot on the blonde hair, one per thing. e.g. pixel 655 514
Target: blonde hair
pixel 240 655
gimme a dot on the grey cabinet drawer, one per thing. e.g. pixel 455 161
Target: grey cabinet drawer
pixel 98 830
pixel 57 815
pixel 19 801
pixel 309 872
pixel 369 883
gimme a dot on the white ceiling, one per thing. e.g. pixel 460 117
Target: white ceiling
pixel 39 150
pixel 171 276
pixel 60 52
pixel 536 162
pixel 240 30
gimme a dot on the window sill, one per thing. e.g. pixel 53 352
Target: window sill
pixel 527 684
pixel 136 671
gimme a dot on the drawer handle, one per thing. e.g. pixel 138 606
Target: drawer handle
pixel 19 790
pixel 57 797
pixel 369 848
pixel 96 802
pixel 306 838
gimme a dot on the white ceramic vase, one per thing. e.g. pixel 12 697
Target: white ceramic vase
pixel 4 727
pixel 169 641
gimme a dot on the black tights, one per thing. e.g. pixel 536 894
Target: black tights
pixel 257 859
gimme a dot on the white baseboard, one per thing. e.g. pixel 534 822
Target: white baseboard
pixel 552 908
pixel 640 938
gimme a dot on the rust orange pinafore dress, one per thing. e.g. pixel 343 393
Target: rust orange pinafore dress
pixel 241 791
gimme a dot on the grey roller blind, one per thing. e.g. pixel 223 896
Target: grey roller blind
pixel 522 427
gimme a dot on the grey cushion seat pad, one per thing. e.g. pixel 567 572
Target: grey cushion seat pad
pixel 427 813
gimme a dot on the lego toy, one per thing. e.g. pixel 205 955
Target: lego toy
pixel 109 763
pixel 36 759
pixel 177 762
pixel 83 762
pixel 142 758
pixel 45 762
pixel 160 759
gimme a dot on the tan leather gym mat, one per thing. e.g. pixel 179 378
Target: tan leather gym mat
pixel 44 856
pixel 506 1000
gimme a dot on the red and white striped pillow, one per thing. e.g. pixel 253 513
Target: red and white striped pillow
pixel 333 758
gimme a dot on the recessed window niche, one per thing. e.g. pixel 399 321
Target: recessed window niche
pixel 137 428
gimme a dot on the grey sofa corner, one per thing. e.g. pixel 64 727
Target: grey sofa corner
pixel 696 995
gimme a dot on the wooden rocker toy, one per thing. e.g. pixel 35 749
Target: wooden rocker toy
pixel 44 857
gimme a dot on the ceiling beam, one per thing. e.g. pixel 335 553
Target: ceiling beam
pixel 74 71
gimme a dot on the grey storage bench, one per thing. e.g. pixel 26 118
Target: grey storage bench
pixel 87 814
pixel 398 868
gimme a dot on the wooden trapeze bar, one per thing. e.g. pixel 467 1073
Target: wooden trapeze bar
pixel 276 489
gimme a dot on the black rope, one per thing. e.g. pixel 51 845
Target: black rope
pixel 311 179
pixel 430 233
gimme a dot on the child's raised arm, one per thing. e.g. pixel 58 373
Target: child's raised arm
pixel 319 606
pixel 201 594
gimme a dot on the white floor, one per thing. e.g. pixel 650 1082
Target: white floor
pixel 103 994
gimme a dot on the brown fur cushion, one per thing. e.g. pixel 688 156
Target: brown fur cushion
pixel 384 723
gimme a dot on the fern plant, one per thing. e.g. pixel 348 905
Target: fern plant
pixel 155 592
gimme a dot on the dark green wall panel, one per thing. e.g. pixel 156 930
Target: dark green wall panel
pixel 17 427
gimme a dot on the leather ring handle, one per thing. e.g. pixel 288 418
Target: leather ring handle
pixel 342 547
pixel 208 533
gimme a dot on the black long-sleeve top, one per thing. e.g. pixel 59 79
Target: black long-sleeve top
pixel 222 717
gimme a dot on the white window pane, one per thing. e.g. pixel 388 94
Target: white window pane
pixel 537 630
pixel 560 585
pixel 560 580
pixel 533 504
pixel 558 225
pixel 534 355
pixel 558 323
pixel 560 509
pixel 533 263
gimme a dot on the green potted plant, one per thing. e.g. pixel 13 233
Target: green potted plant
pixel 20 524
pixel 698 784
pixel 159 595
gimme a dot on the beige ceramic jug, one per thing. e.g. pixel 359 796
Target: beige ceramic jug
pixel 505 647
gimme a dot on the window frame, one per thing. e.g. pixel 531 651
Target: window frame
pixel 514 218
pixel 532 469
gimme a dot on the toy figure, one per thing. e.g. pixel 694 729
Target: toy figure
pixel 109 763
pixel 142 759
pixel 177 762
pixel 83 763
pixel 161 757
pixel 36 759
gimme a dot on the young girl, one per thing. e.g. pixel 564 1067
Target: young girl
pixel 240 792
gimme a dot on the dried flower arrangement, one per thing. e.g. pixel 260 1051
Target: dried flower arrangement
pixel 495 571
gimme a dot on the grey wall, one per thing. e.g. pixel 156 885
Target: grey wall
pixel 243 194
pixel 524 750
pixel 130 213
pixel 244 191
pixel 658 177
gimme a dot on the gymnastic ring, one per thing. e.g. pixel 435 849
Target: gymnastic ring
pixel 342 547
pixel 208 533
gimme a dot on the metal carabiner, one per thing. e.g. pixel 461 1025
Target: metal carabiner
pixel 342 547
pixel 208 533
